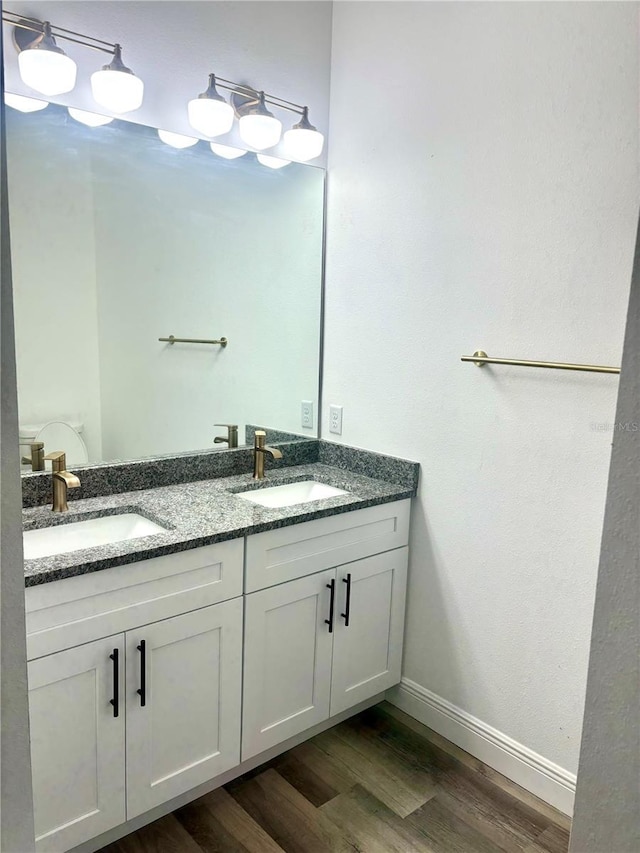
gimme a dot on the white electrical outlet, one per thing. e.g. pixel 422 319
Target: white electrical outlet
pixel 335 419
pixel 307 414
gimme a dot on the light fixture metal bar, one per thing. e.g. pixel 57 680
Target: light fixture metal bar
pixel 34 25
pixel 250 93
pixel 61 30
pixel 480 358
pixel 20 23
pixel 272 98
pixel 7 16
pixel 173 340
pixel 83 43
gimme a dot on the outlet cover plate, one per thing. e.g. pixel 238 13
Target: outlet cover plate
pixel 306 414
pixel 335 419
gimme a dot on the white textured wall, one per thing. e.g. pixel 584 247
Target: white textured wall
pixel 483 192
pixel 281 47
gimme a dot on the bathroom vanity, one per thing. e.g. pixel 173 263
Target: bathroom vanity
pixel 185 623
pixel 162 666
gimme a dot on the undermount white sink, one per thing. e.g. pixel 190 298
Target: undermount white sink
pixel 291 494
pixel 77 535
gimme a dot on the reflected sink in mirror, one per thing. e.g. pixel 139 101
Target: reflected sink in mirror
pixel 291 494
pixel 77 535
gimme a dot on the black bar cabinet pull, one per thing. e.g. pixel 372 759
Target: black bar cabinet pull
pixel 142 691
pixel 329 621
pixel 347 610
pixel 116 682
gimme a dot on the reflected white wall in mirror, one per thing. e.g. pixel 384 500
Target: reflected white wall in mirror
pixel 117 240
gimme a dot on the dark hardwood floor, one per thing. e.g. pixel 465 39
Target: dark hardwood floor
pixel 370 784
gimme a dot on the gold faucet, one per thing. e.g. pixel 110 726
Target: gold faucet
pixel 260 450
pixel 36 460
pixel 231 437
pixel 62 480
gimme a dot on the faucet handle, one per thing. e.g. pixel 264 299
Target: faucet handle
pixel 58 459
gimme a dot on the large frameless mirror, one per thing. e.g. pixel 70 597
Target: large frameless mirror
pixel 118 240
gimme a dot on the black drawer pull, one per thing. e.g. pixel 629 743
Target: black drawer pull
pixel 115 657
pixel 142 690
pixel 329 621
pixel 347 610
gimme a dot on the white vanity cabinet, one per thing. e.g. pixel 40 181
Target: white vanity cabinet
pixel 368 634
pixel 319 644
pixel 287 661
pixel 77 743
pixel 183 703
pixel 82 699
pixel 150 679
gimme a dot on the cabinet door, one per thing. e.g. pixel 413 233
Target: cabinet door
pixel 188 670
pixel 367 652
pixel 287 661
pixel 77 744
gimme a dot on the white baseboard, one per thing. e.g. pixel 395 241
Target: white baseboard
pixel 522 765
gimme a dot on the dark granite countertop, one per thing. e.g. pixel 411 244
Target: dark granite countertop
pixel 200 513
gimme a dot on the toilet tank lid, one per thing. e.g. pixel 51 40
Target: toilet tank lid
pixel 30 431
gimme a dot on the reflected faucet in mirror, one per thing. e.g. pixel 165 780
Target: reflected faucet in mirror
pixel 62 480
pixel 260 450
pixel 36 460
pixel 231 437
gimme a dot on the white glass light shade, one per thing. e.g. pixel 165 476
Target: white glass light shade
pixel 47 71
pixel 227 151
pixel 209 116
pixel 89 118
pixel 260 131
pixel 302 144
pixel 23 103
pixel 117 91
pixel 272 162
pixel 177 140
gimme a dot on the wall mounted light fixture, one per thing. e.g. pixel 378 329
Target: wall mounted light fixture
pixel 116 87
pixel 258 127
pixel 304 142
pixel 210 114
pixel 45 67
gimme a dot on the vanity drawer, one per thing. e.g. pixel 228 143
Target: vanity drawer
pixel 281 555
pixel 77 610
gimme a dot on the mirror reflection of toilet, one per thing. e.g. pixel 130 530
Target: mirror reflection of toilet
pixel 58 435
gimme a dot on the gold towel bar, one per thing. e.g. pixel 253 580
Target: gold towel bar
pixel 480 358
pixel 172 340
